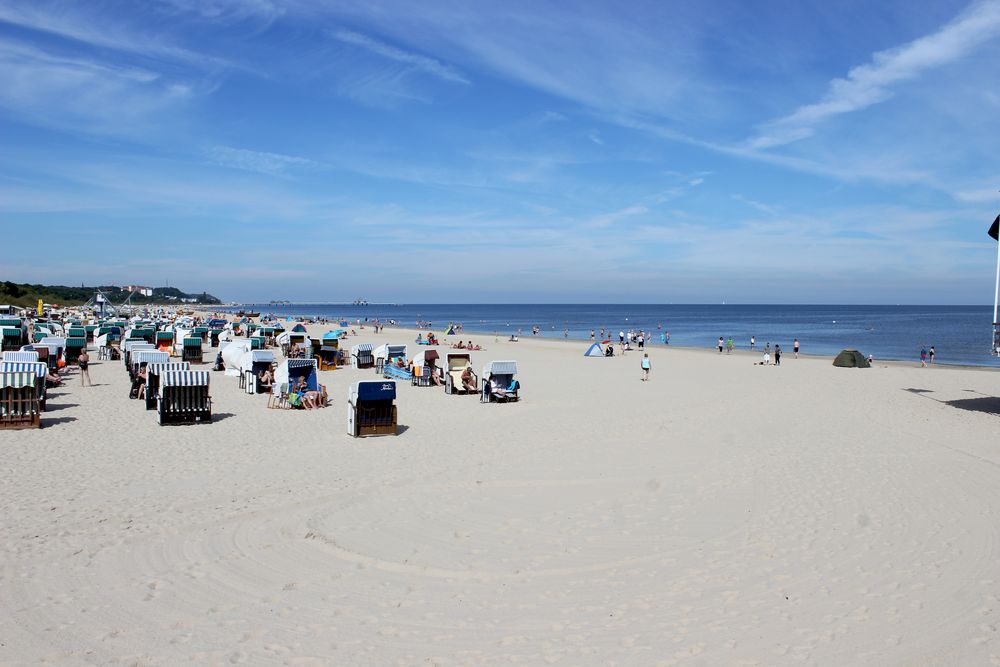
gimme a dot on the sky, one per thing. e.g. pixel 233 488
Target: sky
pixel 788 151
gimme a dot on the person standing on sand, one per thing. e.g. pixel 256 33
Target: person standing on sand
pixel 730 345
pixel 923 358
pixel 795 348
pixel 777 355
pixel 645 366
pixel 753 342
pixel 930 354
pixel 721 344
pixel 84 361
pixel 592 335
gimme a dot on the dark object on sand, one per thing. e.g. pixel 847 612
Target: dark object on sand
pixel 851 359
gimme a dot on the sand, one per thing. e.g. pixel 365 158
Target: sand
pixel 722 513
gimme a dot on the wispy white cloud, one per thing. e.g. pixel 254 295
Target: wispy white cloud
pixel 229 10
pixel 595 136
pixel 982 196
pixel 107 99
pixel 872 82
pixel 412 60
pixel 71 22
pixel 274 164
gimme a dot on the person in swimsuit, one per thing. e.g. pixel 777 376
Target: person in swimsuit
pixel 84 361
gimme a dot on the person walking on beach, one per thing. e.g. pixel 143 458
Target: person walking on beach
pixel 753 342
pixel 592 335
pixel 645 366
pixel 730 345
pixel 721 344
pixel 641 340
pixel 84 362
pixel 795 348
pixel 667 338
pixel 923 357
pixel 930 354
pixel 777 355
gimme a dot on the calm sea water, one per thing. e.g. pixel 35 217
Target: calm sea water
pixel 960 334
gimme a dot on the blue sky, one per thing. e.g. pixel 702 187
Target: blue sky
pixel 773 152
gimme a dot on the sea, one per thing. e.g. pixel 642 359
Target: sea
pixel 961 335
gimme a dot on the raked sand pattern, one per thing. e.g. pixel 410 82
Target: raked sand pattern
pixel 720 514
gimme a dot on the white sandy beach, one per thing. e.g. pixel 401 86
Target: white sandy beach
pixel 721 514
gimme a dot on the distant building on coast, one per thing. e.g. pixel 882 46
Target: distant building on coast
pixel 138 289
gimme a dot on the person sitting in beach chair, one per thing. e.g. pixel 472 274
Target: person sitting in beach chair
pixel 137 390
pixel 469 380
pixel 52 379
pixel 266 378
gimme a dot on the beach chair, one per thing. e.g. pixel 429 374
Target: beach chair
pixel 13 338
pixel 139 357
pixel 74 347
pixel 192 350
pixel 19 401
pixel 371 409
pixel 457 363
pixel 361 356
pixel 387 354
pixel 184 398
pixel 424 365
pixel 327 357
pixel 503 373
pixel 164 341
pixel 252 364
pixel 38 370
pixel 290 371
pixel 153 372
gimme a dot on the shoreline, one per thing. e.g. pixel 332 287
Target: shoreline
pixel 786 356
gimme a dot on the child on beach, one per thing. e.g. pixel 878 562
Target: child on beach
pixel 645 367
pixel 795 348
pixel 923 358
pixel 84 362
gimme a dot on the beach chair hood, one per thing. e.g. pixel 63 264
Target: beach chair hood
pixel 295 368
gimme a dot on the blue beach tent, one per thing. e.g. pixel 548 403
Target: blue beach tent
pixel 594 351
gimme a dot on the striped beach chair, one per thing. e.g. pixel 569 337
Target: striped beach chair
pixel 153 372
pixel 192 350
pixel 184 398
pixel 362 357
pixel 19 401
pixel 147 357
pixel 21 356
pixel 38 369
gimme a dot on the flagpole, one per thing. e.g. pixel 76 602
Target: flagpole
pixel 996 303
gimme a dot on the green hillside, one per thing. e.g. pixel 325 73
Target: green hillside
pixel 26 295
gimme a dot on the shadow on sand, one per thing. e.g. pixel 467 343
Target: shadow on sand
pixel 982 403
